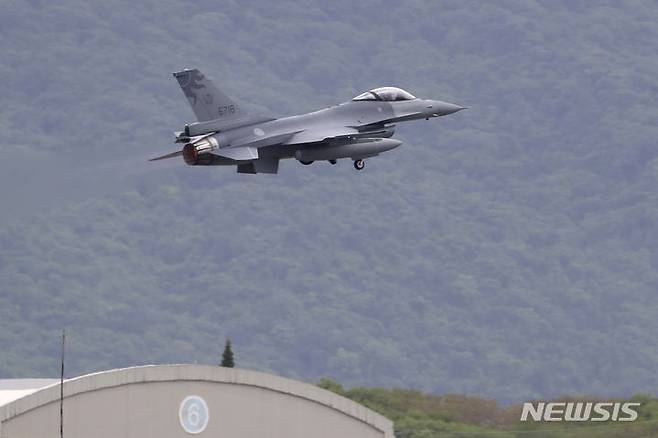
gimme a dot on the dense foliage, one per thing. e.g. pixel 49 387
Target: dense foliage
pixel 419 415
pixel 507 251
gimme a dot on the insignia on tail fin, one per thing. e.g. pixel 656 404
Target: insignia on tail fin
pixel 207 102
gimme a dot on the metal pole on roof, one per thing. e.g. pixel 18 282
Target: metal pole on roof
pixel 61 389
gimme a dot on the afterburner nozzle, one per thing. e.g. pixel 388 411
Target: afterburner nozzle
pixel 191 151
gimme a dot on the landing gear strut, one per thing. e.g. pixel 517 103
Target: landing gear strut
pixel 359 164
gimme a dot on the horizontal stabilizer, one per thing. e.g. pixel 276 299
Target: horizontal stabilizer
pixel 242 153
pixel 171 155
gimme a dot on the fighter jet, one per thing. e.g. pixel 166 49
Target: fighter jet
pixel 224 134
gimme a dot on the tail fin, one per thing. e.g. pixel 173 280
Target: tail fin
pixel 207 102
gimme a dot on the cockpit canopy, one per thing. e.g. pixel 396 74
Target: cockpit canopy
pixel 387 94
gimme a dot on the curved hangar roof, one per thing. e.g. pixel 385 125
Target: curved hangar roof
pixel 182 400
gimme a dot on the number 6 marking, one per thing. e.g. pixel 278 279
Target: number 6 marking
pixel 193 414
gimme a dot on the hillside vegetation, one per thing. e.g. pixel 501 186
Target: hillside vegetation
pixel 419 415
pixel 509 251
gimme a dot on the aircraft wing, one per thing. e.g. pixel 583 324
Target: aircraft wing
pixel 246 148
pixel 338 134
pixel 322 135
pixel 210 126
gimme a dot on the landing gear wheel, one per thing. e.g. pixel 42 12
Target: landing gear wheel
pixel 359 164
pixel 306 163
pixel 332 161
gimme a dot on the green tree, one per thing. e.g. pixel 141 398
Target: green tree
pixel 227 356
pixel 331 385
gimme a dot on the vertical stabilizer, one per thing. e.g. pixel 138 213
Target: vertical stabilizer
pixel 207 102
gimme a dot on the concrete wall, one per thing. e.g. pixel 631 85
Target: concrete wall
pixel 144 402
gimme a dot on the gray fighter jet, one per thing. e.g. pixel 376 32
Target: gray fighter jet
pixel 361 128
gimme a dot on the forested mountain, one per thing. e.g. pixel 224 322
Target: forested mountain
pixel 508 251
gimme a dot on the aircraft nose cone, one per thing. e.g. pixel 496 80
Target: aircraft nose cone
pixel 440 108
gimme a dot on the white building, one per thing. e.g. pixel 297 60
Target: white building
pixel 177 401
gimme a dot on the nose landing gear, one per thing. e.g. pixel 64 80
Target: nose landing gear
pixel 359 164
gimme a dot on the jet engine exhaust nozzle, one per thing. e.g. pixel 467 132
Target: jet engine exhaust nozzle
pixel 192 151
pixel 190 154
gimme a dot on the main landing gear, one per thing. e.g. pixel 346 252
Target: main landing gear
pixel 306 163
